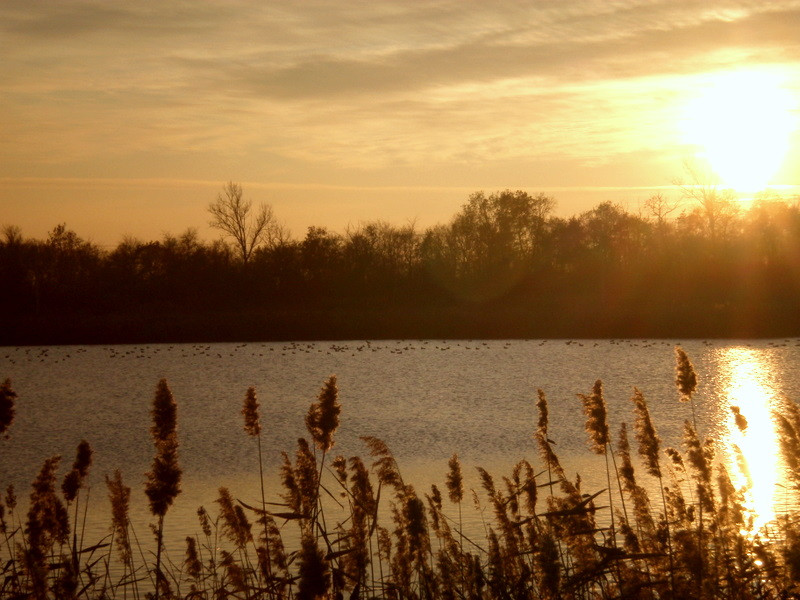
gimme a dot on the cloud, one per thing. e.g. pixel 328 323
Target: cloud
pixel 364 84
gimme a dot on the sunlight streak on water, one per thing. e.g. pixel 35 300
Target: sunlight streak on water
pixel 748 379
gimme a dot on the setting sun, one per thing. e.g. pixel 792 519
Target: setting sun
pixel 741 123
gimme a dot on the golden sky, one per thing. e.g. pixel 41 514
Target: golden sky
pixel 126 118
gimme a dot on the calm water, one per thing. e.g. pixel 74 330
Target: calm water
pixel 425 399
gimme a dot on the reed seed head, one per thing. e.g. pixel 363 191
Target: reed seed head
pixel 322 419
pixel 120 496
pixel 205 521
pixel 455 481
pixel 385 463
pixel 80 468
pixel 594 407
pixel 163 480
pixel 685 377
pixel 541 405
pixel 7 398
pixel 339 465
pixel 192 561
pixel 739 418
pixel 48 522
pixel 697 453
pixel 362 491
pixel 314 572
pixel 307 477
pixel 234 523
pixel 646 435
pixel 252 422
pixel 164 413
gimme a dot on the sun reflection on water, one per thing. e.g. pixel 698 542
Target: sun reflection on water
pixel 748 381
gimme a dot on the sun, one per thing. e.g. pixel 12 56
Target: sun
pixel 740 122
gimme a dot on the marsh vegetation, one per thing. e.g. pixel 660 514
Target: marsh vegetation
pixel 353 526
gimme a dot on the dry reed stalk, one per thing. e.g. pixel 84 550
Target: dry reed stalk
pixel 314 571
pixel 594 407
pixel 637 494
pixel 234 522
pixel 73 481
pixel 649 450
pixel 548 456
pixel 685 380
pixel 192 563
pixel 163 481
pixel 455 491
pixel 685 376
pixel 252 427
pixel 322 419
pixel 47 525
pixel 385 464
pixel 119 495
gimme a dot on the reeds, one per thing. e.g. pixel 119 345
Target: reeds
pixel 355 528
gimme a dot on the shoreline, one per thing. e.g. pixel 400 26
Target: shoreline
pixel 336 324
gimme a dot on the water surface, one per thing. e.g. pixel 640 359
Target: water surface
pixel 426 399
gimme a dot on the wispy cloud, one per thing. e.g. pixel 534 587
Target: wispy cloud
pixel 272 91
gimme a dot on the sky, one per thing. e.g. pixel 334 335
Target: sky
pixel 128 118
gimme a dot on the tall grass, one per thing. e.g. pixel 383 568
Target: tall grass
pixel 352 526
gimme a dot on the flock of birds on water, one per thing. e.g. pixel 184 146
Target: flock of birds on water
pixel 287 349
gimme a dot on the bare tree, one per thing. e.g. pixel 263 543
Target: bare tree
pixel 717 205
pixel 660 207
pixel 234 216
pixel 12 235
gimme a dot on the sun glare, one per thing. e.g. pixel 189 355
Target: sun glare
pixel 754 457
pixel 740 123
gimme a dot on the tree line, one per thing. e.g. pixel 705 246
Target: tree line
pixel 504 266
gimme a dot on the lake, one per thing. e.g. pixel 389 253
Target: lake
pixel 427 399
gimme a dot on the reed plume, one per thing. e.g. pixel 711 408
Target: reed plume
pixel 322 419
pixel 163 481
pixel 548 456
pixel 739 418
pixel 648 448
pixel 637 494
pixel 685 377
pixel 646 436
pixel 307 478
pixel 252 426
pixel 47 525
pixel 314 571
pixel 234 522
pixel 385 464
pixel 252 421
pixel 80 468
pixel 594 407
pixel 120 495
pixel 789 439
pixel 291 494
pixel 73 481
pixel 192 562
pixel 7 399
pixel 455 481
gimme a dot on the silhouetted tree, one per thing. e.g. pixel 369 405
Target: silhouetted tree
pixel 234 216
pixel 717 205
